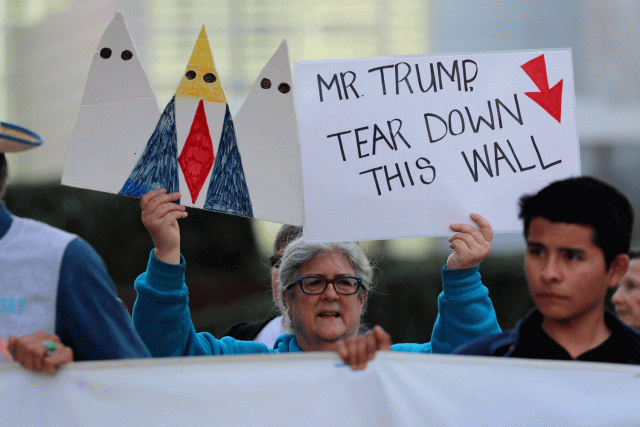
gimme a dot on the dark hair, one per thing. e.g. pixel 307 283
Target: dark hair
pixel 4 173
pixel 585 201
pixel 287 234
pixel 634 253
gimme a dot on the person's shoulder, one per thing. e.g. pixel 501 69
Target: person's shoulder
pixel 80 252
pixel 631 335
pixel 47 234
pixel 489 345
pixel 247 331
pixel 634 337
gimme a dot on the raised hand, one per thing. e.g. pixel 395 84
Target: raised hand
pixel 470 245
pixel 357 351
pixel 160 215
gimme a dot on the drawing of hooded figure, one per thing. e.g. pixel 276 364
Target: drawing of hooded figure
pixel 209 157
pixel 118 113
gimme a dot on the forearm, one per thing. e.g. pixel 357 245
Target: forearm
pixel 161 313
pixel 465 311
pixel 90 317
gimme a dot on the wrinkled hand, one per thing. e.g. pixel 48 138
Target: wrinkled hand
pixel 357 351
pixel 470 245
pixel 29 351
pixel 160 215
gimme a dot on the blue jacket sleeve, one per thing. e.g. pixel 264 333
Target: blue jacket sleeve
pixel 90 318
pixel 465 311
pixel 162 318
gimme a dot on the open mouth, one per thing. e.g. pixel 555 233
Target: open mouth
pixel 329 314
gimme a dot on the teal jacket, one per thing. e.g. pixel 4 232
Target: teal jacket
pixel 162 318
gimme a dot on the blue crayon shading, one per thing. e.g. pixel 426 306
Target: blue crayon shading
pixel 228 190
pixel 158 164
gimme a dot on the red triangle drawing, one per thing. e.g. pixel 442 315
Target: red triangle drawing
pixel 549 99
pixel 197 156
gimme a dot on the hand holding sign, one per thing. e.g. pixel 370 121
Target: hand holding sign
pixel 470 245
pixel 358 350
pixel 160 215
pixel 29 351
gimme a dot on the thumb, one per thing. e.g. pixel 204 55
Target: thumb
pixel 341 348
pixel 383 339
pixel 60 357
pixel 11 343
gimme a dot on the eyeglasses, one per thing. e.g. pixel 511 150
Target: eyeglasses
pixel 314 285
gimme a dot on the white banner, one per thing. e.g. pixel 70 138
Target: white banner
pixel 396 389
pixel 403 146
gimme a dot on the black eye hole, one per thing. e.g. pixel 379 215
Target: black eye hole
pixel 105 53
pixel 209 78
pixel 284 88
pixel 190 75
pixel 265 84
pixel 126 55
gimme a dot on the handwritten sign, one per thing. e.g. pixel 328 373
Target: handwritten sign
pixel 123 144
pixel 403 146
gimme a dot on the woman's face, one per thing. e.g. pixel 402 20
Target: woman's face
pixel 319 321
pixel 626 299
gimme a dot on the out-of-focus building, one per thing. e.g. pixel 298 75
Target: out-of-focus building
pixel 46 49
pixel 605 47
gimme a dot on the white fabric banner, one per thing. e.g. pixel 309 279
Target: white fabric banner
pixel 315 389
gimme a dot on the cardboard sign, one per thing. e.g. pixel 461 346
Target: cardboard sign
pixel 268 142
pixel 123 144
pixel 118 113
pixel 193 148
pixel 403 146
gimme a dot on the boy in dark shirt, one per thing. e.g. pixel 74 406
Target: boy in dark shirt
pixel 578 232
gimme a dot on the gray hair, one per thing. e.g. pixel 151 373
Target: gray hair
pixel 299 252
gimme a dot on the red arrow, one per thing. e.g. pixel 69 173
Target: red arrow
pixel 549 99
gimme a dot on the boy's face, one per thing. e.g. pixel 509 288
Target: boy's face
pixel 566 271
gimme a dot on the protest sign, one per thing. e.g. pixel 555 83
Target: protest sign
pixel 403 146
pixel 118 113
pixel 123 144
pixel 268 142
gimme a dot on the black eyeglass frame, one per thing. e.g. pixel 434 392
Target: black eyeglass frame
pixel 326 283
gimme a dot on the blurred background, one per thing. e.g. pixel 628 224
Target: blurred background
pixel 46 48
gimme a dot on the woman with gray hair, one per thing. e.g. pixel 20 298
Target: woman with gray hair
pixel 322 294
pixel 301 253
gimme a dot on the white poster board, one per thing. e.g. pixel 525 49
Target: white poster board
pixel 118 113
pixel 122 143
pixel 268 142
pixel 403 146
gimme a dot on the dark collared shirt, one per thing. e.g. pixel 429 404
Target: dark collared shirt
pixel 528 340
